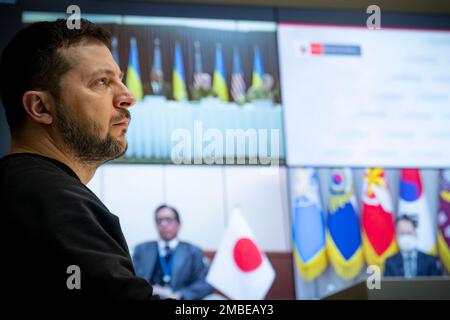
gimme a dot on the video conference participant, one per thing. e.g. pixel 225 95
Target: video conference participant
pixel 410 262
pixel 176 269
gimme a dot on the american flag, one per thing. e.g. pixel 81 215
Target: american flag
pixel 237 79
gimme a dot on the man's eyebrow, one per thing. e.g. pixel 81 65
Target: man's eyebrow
pixel 109 72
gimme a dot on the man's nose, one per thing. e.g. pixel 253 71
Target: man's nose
pixel 125 98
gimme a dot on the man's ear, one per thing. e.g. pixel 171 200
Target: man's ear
pixel 39 106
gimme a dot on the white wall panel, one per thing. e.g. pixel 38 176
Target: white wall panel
pixel 132 192
pixel 197 193
pixel 261 194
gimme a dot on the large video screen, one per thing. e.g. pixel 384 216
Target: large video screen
pixel 207 90
pixel 359 97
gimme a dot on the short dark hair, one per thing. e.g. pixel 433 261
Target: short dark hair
pixel 165 206
pixel 31 61
pixel 405 217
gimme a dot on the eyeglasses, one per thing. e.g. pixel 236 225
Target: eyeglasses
pixel 166 220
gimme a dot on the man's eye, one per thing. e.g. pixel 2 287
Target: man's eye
pixel 102 82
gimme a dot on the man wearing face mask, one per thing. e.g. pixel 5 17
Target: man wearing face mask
pixel 410 262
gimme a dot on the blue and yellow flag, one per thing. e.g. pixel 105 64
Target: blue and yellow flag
pixel 308 224
pixel 219 80
pixel 344 233
pixel 133 73
pixel 258 69
pixel 179 84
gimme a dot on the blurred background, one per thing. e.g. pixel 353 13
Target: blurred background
pixel 236 99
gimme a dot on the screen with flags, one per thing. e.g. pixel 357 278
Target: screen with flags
pixel 365 114
pixel 346 219
pixel 207 90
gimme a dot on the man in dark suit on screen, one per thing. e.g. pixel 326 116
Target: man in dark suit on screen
pixel 176 269
pixel 410 262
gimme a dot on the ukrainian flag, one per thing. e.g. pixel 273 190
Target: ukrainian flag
pixel 258 69
pixel 133 73
pixel 219 81
pixel 179 84
pixel 308 224
pixel 344 233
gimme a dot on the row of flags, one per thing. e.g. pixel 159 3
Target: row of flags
pixel 241 270
pixel 348 239
pixel 179 89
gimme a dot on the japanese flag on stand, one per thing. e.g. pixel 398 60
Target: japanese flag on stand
pixel 240 269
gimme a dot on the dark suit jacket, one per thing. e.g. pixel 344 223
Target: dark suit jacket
pixel 189 269
pixel 426 266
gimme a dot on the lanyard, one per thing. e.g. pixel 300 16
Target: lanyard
pixel 166 267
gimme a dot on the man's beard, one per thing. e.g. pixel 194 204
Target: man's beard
pixel 83 139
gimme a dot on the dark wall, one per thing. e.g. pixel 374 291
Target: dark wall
pixel 11 22
pixel 5 139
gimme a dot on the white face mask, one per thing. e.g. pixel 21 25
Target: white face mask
pixel 407 242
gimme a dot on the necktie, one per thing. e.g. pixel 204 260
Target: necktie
pixel 168 253
pixel 166 267
pixel 408 267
